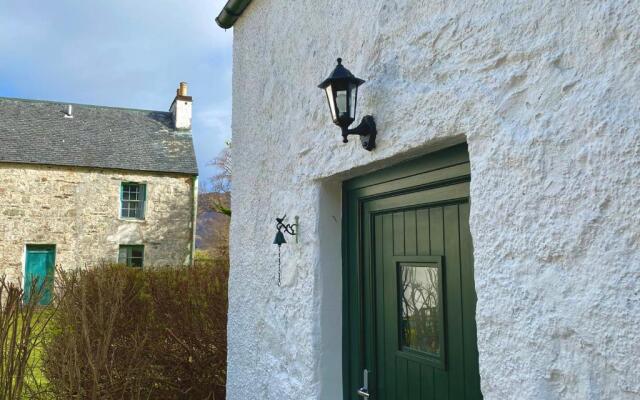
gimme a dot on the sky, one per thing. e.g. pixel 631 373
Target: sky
pixel 122 53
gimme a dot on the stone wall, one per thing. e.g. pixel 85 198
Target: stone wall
pixel 546 94
pixel 77 209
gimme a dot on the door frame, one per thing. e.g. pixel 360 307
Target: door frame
pixel 439 169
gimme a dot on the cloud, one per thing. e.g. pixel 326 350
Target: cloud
pixel 121 53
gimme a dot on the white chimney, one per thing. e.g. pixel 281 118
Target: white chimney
pixel 181 109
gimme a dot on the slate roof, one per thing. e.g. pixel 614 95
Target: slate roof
pixel 37 132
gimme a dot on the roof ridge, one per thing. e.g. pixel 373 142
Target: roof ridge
pixel 80 104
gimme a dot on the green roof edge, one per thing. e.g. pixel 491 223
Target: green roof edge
pixel 231 12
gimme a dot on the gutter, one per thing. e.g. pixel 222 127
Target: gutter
pixel 231 12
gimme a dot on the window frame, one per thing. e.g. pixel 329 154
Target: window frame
pixel 128 256
pixel 141 201
pixel 435 360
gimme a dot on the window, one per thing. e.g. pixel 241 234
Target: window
pixel 421 306
pixel 132 256
pixel 132 198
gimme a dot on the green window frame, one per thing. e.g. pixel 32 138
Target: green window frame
pixel 132 200
pixel 131 255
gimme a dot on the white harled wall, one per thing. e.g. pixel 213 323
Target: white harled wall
pixel 547 95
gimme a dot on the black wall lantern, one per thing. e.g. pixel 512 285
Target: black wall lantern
pixel 280 240
pixel 341 88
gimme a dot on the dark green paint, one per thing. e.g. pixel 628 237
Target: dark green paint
pixel 413 212
pixel 232 10
pixel 39 268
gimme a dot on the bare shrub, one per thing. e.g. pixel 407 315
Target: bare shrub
pixel 190 346
pixel 124 333
pixel 22 327
pixel 99 342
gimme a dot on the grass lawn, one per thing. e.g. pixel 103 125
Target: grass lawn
pixel 35 379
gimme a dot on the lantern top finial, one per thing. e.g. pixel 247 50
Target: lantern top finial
pixel 340 75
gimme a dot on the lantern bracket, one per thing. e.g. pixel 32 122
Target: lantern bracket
pixel 366 130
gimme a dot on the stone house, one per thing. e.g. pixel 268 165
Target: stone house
pixel 488 246
pixel 82 184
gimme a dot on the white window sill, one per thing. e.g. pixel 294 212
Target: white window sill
pixel 132 220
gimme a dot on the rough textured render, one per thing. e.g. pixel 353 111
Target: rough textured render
pixel 78 210
pixel 546 94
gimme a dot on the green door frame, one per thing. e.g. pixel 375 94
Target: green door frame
pixel 439 169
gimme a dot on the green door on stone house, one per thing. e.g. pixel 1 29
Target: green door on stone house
pixel 39 271
pixel 410 331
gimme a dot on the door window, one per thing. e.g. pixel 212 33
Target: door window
pixel 420 305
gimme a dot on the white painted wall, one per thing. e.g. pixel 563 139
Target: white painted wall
pixel 546 93
pixel 182 110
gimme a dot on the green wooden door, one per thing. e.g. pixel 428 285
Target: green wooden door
pixel 39 269
pixel 413 290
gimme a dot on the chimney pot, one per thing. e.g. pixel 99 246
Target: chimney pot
pixel 182 91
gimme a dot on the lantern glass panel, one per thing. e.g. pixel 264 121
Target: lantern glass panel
pixel 353 98
pixel 332 102
pixel 341 103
